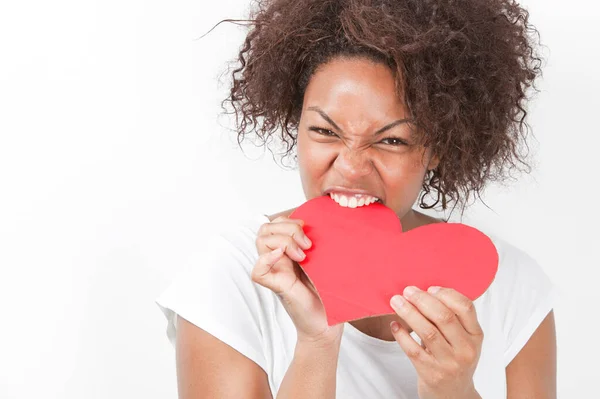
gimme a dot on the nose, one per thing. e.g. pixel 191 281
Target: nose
pixel 353 163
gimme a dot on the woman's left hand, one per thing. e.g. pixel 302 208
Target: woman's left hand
pixel 451 338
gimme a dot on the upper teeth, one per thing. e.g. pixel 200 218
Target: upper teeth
pixel 353 201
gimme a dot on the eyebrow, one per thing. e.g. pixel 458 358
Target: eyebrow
pixel 383 129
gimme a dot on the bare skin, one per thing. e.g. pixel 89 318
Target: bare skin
pixel 350 101
pixel 379 327
pixel 358 96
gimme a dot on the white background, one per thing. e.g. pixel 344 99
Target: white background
pixel 114 166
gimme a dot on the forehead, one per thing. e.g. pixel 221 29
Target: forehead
pixel 358 88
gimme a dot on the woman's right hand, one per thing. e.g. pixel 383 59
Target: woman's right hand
pixel 280 245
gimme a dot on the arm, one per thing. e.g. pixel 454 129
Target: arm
pixel 209 368
pixel 312 373
pixel 532 373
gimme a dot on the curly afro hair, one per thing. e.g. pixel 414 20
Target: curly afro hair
pixel 462 67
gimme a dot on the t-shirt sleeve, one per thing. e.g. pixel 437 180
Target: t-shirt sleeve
pixel 525 295
pixel 217 294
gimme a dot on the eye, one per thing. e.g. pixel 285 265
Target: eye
pixel 395 141
pixel 322 131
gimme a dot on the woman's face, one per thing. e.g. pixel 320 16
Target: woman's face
pixel 352 141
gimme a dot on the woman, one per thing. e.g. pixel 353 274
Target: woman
pixel 380 100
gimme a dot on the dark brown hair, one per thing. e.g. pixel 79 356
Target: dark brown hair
pixel 462 67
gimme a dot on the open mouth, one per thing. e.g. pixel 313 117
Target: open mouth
pixel 354 200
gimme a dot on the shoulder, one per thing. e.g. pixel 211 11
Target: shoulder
pixel 520 297
pixel 233 245
pixel 235 242
pixel 215 292
pixel 515 265
pixel 521 288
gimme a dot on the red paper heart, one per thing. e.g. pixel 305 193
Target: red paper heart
pixel 360 258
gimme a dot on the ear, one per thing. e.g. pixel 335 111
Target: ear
pixel 433 162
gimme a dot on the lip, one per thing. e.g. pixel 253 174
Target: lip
pixel 349 191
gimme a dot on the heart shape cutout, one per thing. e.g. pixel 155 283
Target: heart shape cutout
pixel 360 258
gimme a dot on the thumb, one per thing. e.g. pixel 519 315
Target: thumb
pixel 261 274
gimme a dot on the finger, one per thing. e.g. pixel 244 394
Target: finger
pixel 288 227
pixel 427 331
pixel 415 352
pixel 285 242
pixel 284 219
pixel 440 315
pixel 462 306
pixel 261 273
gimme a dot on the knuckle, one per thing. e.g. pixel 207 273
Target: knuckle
pixel 262 268
pixel 431 335
pixel 260 241
pixel 289 242
pixel 415 353
pixel 436 379
pixel 263 229
pixel 453 370
pixel 467 306
pixel 479 335
pixel 469 355
pixel 445 317
pixel 298 230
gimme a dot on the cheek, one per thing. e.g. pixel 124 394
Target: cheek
pixel 400 168
pixel 403 177
pixel 313 158
pixel 312 164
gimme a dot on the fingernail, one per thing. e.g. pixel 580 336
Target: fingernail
pixel 307 242
pixel 398 301
pixel 408 291
pixel 300 253
pixel 395 326
pixel 433 289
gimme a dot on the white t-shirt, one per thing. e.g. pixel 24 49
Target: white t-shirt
pixel 218 295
